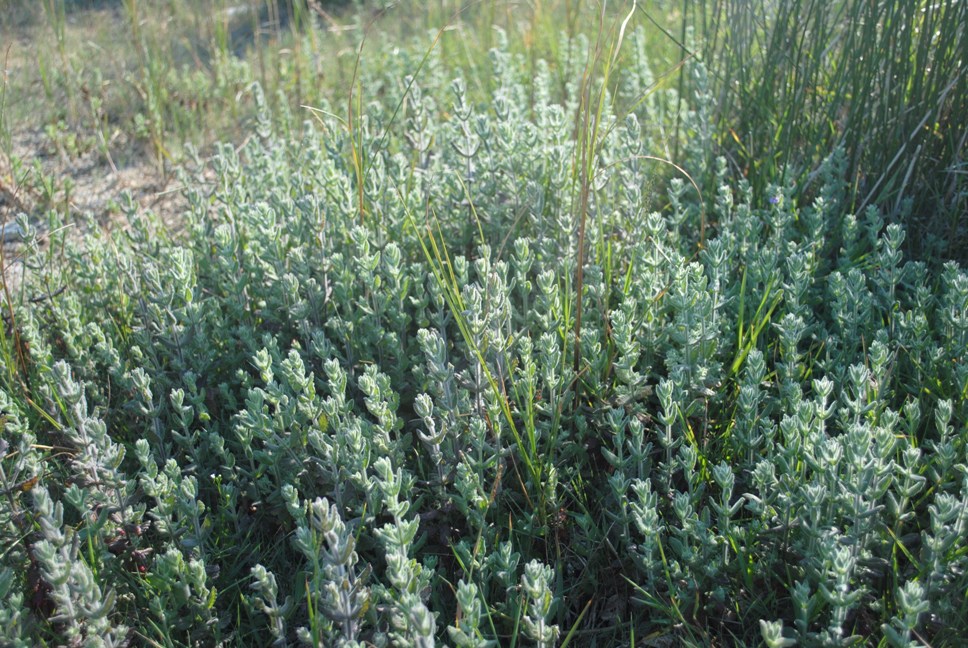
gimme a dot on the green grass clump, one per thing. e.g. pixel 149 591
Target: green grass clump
pixel 790 81
pixel 470 360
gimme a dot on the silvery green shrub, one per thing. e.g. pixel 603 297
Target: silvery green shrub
pixel 303 419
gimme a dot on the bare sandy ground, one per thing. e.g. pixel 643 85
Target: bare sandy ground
pixel 85 186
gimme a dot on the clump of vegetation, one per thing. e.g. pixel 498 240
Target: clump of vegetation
pixel 885 81
pixel 480 360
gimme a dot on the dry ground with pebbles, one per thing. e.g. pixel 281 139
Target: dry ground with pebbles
pixel 83 187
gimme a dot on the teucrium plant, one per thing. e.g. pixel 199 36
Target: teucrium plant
pixel 81 608
pixel 340 405
pixel 535 585
pixel 336 591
